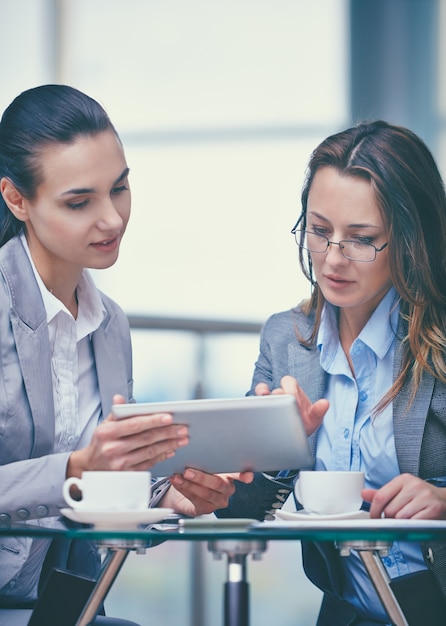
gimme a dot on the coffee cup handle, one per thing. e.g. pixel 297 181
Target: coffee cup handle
pixel 73 480
pixel 297 491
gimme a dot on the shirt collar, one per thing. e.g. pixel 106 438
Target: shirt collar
pixel 378 334
pixel 91 311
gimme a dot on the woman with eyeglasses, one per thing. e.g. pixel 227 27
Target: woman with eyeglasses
pixel 365 359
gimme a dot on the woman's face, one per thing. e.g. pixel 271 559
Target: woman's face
pixel 344 207
pixel 81 209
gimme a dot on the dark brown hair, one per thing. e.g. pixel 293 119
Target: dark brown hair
pixel 36 118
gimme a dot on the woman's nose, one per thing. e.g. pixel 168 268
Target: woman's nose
pixel 334 253
pixel 109 218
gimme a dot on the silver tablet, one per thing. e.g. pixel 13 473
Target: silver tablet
pixel 258 433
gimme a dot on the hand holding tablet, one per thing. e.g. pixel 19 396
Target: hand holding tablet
pixel 253 433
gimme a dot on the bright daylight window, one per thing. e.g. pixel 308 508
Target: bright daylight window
pixel 218 105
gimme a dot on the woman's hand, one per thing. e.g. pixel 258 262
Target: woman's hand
pixel 133 443
pixel 407 497
pixel 312 413
pixel 196 493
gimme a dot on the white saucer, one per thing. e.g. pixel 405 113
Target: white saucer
pixel 306 516
pixel 116 519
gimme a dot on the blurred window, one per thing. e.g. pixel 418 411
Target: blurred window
pixel 218 104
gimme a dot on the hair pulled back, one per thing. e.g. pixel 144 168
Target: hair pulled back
pixel 35 119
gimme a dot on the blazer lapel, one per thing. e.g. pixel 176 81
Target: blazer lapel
pixel 409 419
pixel 28 320
pixel 110 364
pixel 305 366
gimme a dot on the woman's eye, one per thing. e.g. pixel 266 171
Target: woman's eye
pixel 363 239
pixel 319 230
pixel 77 205
pixel 119 189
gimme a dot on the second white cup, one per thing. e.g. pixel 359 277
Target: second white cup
pixel 329 492
pixel 110 491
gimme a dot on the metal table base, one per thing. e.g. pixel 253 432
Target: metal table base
pixel 370 553
pixel 236 589
pixel 115 554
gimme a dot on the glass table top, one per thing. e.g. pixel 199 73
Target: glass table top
pixel 209 528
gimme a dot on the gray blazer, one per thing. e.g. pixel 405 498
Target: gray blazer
pixel 31 476
pixel 420 436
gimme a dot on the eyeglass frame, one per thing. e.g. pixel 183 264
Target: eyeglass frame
pixel 295 230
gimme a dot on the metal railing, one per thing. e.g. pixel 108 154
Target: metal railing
pixel 202 329
pixel 193 325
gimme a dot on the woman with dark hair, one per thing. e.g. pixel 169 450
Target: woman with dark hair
pixel 65 346
pixel 365 358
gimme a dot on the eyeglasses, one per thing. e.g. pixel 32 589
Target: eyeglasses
pixel 349 248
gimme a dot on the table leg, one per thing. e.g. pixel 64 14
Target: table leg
pixel 236 594
pixel 379 578
pixel 112 564
pixel 236 588
pixel 369 552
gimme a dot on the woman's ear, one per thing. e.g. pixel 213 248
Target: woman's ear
pixel 14 200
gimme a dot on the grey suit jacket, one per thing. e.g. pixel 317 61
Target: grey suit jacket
pixel 420 434
pixel 31 475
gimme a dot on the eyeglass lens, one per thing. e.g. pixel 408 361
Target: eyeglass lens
pixel 354 250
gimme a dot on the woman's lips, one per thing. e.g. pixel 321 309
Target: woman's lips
pixel 337 281
pixel 107 245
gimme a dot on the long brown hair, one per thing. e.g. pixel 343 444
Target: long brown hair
pixel 410 194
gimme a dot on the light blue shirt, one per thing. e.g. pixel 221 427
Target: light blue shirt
pixel 350 439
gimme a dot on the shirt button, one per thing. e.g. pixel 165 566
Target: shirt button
pixel 346 432
pixel 42 510
pixel 5 518
pixel 363 396
pixel 23 513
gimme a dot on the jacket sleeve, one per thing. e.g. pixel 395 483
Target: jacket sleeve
pixel 259 499
pixel 32 488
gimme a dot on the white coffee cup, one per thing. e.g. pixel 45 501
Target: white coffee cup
pixel 110 491
pixel 329 492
